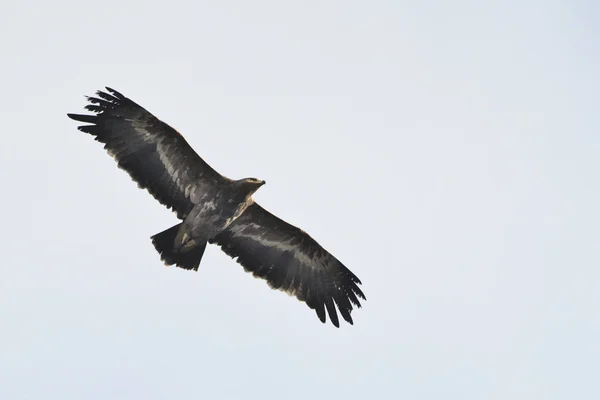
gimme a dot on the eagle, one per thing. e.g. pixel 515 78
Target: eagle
pixel 217 210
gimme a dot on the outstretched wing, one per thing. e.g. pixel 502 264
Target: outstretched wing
pixel 155 155
pixel 291 261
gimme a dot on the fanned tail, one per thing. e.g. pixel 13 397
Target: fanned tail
pixel 164 243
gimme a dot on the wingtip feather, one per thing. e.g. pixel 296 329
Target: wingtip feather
pixel 114 92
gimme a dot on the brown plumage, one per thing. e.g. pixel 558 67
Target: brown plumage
pixel 216 209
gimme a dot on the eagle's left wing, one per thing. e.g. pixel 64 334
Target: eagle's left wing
pixel 291 261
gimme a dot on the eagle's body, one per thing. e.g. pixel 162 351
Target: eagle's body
pixel 216 209
pixel 213 212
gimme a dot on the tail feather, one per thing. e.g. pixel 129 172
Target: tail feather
pixel 164 243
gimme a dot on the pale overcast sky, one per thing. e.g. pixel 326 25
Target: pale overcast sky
pixel 446 151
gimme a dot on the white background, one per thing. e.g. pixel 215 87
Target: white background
pixel 446 152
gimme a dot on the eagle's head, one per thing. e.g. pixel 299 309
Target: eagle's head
pixel 248 186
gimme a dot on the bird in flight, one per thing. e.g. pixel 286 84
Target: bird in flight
pixel 218 210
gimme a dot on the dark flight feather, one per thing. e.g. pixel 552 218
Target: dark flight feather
pixel 291 261
pixel 155 155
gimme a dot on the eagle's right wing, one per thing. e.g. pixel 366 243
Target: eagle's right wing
pixel 155 155
pixel 291 261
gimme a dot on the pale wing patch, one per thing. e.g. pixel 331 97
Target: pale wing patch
pixel 173 167
pixel 140 127
pixel 282 246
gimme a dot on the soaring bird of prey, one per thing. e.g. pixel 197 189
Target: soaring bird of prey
pixel 216 209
